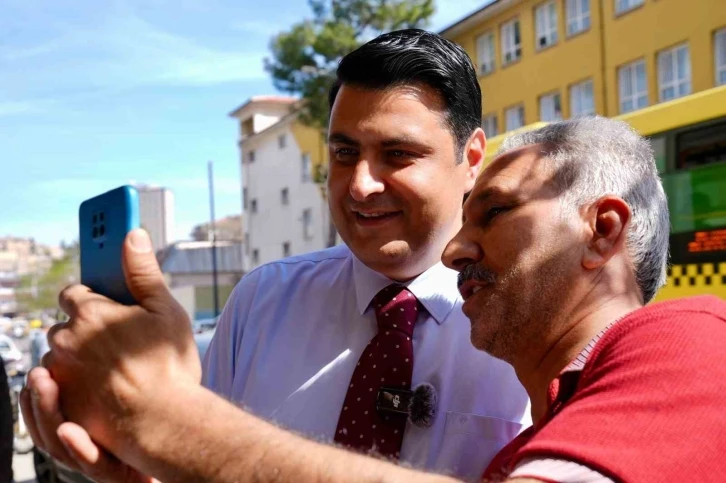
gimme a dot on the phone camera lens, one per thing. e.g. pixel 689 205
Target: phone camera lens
pixel 100 216
pixel 95 232
pixel 95 219
pixel 102 230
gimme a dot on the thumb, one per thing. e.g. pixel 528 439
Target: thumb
pixel 143 275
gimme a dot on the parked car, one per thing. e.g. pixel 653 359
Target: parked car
pixel 8 350
pixel 48 470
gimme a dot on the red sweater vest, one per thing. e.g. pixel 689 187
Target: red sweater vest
pixel 649 404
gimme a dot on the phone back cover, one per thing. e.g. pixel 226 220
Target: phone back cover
pixel 104 222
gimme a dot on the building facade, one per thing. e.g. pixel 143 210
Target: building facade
pixel 284 213
pixel 156 214
pixel 189 272
pixel 556 59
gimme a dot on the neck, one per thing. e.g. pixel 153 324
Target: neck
pixel 575 328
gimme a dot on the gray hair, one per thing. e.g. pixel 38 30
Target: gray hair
pixel 594 157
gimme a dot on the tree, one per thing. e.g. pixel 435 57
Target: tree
pixel 40 292
pixel 305 57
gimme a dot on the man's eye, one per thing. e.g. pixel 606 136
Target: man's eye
pixel 345 154
pixel 495 211
pixel 399 154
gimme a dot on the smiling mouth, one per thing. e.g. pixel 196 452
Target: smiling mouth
pixel 376 215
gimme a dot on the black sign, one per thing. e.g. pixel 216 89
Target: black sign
pixel 705 246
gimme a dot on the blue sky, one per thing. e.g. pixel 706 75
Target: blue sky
pixel 95 94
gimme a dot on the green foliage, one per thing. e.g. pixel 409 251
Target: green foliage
pixel 40 292
pixel 305 57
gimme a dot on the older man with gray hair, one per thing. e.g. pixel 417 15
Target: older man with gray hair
pixel 564 243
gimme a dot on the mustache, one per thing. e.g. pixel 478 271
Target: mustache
pixel 477 273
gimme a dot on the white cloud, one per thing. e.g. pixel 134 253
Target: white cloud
pixel 113 49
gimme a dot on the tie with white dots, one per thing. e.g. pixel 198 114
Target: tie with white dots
pixel 387 361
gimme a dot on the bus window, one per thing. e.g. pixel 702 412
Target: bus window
pixel 702 146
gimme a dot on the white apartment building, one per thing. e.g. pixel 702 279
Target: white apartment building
pixel 156 214
pixel 284 213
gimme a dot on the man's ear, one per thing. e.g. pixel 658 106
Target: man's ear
pixel 474 154
pixel 608 220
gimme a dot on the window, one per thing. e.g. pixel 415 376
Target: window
pixel 244 199
pixel 701 146
pixel 632 87
pixel 307 168
pixel 255 256
pixel 285 196
pixel 550 108
pixel 578 16
pixel 514 117
pixel 719 40
pixel 582 101
pixel 546 20
pixel 511 42
pixel 253 206
pixel 489 124
pixel 251 156
pixel 286 249
pixel 307 220
pixel 674 73
pixel 625 5
pixel 281 141
pixel 485 53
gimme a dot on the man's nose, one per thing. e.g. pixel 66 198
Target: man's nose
pixel 365 181
pixel 461 251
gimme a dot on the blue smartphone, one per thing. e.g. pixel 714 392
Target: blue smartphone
pixel 104 222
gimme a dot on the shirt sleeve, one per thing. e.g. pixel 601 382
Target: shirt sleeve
pixel 561 471
pixel 220 361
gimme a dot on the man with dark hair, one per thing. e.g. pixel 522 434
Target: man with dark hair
pixel 309 341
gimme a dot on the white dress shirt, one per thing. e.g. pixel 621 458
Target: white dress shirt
pixel 291 334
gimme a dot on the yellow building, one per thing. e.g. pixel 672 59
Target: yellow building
pixel 547 60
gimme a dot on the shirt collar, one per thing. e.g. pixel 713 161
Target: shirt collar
pixel 436 288
pixel 563 386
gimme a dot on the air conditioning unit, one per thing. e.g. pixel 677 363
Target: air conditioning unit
pixel 543 41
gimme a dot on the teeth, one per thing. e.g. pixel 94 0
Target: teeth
pixel 475 290
pixel 372 215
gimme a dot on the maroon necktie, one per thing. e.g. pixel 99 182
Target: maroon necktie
pixel 387 361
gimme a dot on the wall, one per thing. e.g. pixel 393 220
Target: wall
pixel 554 68
pixel 658 25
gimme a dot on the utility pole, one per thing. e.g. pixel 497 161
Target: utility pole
pixel 213 236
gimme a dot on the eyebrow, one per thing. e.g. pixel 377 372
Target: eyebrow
pixel 489 193
pixel 388 143
pixel 342 139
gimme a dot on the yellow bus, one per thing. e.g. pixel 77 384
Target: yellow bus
pixel 689 139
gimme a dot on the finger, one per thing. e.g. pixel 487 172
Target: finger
pixel 26 408
pixel 44 401
pixel 53 331
pixel 71 296
pixel 93 460
pixel 143 275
